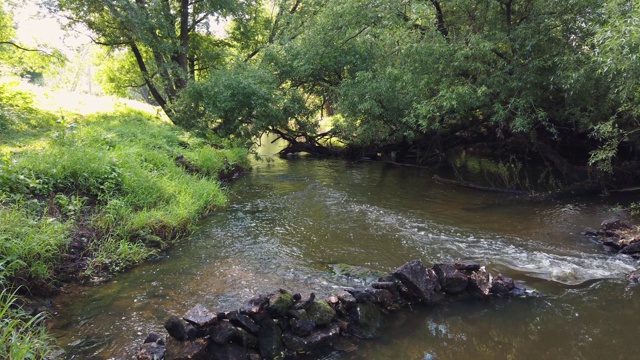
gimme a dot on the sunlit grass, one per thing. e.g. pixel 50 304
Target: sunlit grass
pixel 119 171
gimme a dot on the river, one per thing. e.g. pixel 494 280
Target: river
pixel 288 221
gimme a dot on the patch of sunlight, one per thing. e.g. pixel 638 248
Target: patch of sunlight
pixel 31 145
pixel 82 103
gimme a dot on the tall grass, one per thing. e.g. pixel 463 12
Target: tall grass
pixel 21 335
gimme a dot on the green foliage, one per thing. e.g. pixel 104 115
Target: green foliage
pixel 22 60
pixel 116 173
pixel 243 102
pixel 30 240
pixel 21 335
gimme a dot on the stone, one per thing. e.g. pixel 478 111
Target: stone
pixel 151 338
pixel 362 296
pixel 421 282
pixel 612 243
pixel 228 352
pixel 151 351
pixel 451 279
pixel 386 285
pixel 255 305
pixel 518 290
pixel 632 248
pixel 479 283
pixel 186 350
pixel 320 313
pixel 301 327
pixel 313 341
pixel 615 224
pixel 280 303
pixel 634 277
pixel 199 316
pixel 501 285
pixel 306 302
pixel 175 327
pixel 243 321
pixel 269 339
pixel 466 265
pixel 224 332
pixel 191 332
pixel 364 320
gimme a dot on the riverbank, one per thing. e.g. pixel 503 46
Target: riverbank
pixel 85 196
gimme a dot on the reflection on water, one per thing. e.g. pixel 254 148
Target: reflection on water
pixel 288 220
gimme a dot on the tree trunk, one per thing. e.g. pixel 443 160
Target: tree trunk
pixel 183 61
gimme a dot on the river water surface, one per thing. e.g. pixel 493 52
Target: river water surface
pixel 288 221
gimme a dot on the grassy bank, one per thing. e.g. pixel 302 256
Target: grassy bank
pixel 82 197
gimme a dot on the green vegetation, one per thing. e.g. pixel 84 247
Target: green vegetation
pixel 551 83
pixel 120 185
pixel 21 336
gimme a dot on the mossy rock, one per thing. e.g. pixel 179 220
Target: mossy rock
pixel 282 302
pixel 362 273
pixel 320 313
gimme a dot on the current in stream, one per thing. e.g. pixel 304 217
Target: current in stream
pixel 289 221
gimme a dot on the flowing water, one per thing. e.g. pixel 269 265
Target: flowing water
pixel 288 221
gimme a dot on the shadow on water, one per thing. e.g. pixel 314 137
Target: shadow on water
pixel 289 221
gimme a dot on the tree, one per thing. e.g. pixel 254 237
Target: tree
pixel 161 36
pixel 19 58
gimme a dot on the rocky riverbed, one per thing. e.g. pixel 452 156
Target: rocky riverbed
pixel 288 325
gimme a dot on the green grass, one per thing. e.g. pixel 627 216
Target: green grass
pixel 133 179
pixel 21 335
pixel 125 184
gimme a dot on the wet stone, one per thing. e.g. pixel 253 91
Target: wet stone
pixel 362 296
pixel 451 279
pixel 224 332
pixel 421 282
pixel 501 285
pixel 312 341
pixel 615 224
pixel 386 285
pixel 151 338
pixel 229 352
pixel 518 290
pixel 280 303
pixel 301 327
pixel 151 351
pixel 320 313
pixel 269 339
pixel 631 248
pixel 200 316
pixel 634 277
pixel 175 327
pixel 255 305
pixel 466 265
pixel 241 320
pixel 365 320
pixel 186 350
pixel 479 283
